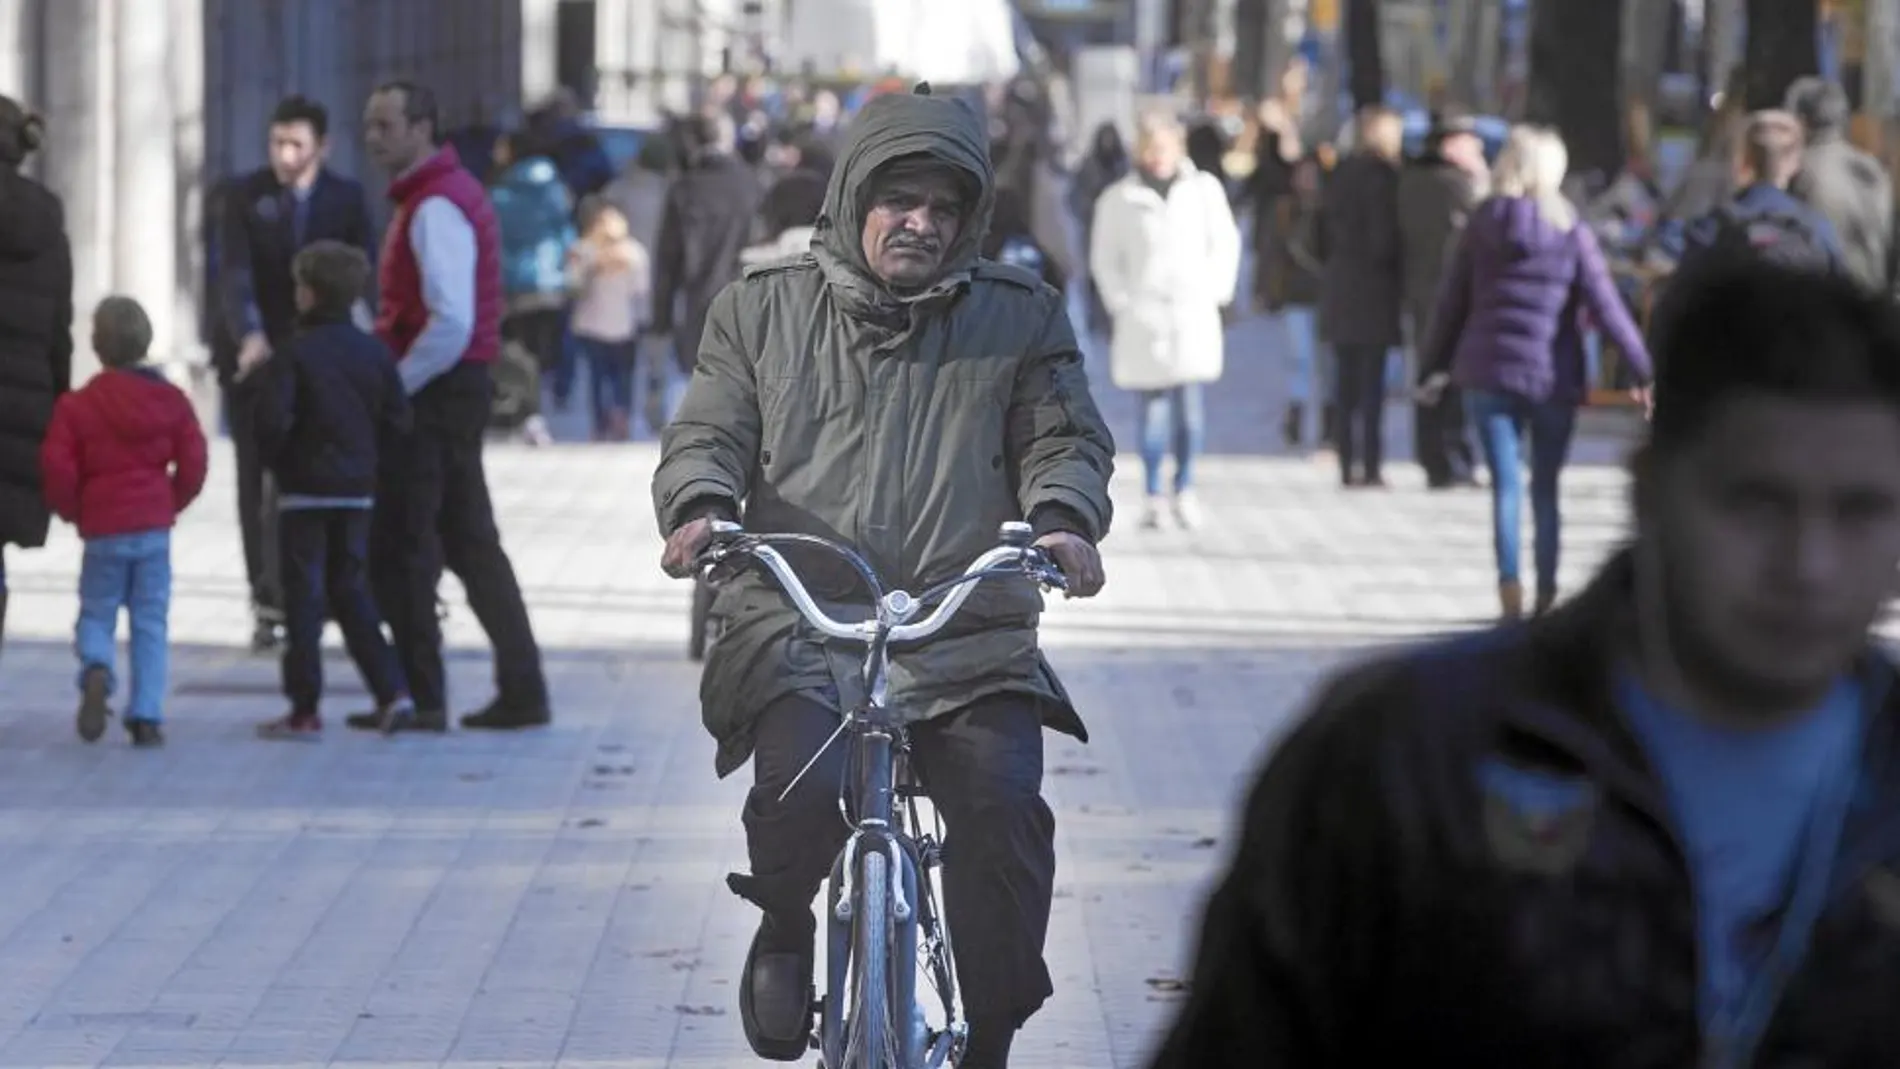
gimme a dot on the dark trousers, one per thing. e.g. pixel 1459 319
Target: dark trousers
pixel 1441 441
pixel 432 512
pixel 1361 408
pixel 325 559
pixel 983 769
pixel 261 568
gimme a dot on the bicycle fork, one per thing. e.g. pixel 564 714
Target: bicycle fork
pixel 919 1049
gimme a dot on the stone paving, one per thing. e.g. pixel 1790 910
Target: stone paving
pixel 554 899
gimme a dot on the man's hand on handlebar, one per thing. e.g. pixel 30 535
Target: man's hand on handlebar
pixel 1078 560
pixel 684 546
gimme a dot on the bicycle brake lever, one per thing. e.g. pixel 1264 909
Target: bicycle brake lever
pixel 1043 570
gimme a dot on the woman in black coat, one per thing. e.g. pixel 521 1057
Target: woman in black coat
pixel 36 339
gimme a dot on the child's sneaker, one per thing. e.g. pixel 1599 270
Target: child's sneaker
pixel 146 734
pixel 93 711
pixel 301 727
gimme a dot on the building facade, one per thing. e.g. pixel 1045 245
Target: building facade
pixel 148 103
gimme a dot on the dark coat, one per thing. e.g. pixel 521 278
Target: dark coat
pixel 1364 250
pixel 1435 199
pixel 257 241
pixel 328 400
pixel 1399 896
pixel 706 224
pixel 36 347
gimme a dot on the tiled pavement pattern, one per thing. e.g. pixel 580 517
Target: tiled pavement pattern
pixel 554 899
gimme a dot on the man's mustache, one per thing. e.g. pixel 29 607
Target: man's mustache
pixel 903 240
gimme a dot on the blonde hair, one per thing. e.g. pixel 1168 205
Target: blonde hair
pixel 1382 132
pixel 1533 165
pixel 1159 125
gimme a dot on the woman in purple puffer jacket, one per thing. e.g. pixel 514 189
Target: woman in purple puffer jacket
pixel 1507 331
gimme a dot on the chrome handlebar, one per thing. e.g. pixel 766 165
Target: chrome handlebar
pixel 897 609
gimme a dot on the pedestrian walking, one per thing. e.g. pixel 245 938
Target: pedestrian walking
pixel 536 217
pixel 1846 185
pixel 708 221
pixel 1436 195
pixel 440 314
pixel 268 216
pixel 1165 259
pixel 123 457
pixel 1506 332
pixel 611 278
pixel 327 403
pixel 36 338
pixel 1363 289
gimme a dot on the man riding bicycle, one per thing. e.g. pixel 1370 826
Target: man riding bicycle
pixel 891 390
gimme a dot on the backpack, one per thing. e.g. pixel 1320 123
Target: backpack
pixel 1779 237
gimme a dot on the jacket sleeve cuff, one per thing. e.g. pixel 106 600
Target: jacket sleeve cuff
pixel 715 506
pixel 1051 517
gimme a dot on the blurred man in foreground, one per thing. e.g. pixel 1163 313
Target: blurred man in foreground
pixel 1653 829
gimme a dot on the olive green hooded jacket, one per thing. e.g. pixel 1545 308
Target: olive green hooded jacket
pixel 908 427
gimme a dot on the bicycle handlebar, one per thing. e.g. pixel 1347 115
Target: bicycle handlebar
pixel 896 609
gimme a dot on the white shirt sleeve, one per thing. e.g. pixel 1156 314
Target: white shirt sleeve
pixel 444 244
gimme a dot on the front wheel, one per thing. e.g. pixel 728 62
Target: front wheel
pixel 870 1043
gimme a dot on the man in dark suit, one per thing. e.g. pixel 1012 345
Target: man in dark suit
pixel 266 217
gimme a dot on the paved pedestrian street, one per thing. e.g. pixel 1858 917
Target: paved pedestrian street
pixel 555 898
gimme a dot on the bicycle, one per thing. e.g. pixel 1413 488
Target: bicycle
pixel 882 916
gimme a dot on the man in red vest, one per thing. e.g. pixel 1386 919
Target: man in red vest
pixel 440 314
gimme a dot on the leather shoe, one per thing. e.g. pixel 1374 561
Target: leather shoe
pixel 775 992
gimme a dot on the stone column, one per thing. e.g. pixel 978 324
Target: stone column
pixel 77 157
pixel 144 176
pixel 185 76
pixel 19 49
pixel 539 48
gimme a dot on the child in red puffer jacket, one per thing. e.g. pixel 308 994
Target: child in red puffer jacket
pixel 122 459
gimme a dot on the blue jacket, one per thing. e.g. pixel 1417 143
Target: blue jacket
pixel 537 226
pixel 1759 201
pixel 326 404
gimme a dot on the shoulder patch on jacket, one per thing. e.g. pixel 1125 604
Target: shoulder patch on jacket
pixel 1011 273
pixel 780 265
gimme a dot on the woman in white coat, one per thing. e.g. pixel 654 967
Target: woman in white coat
pixel 1165 257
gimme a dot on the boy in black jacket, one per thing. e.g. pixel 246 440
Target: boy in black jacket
pixel 326 403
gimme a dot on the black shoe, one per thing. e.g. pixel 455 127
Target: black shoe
pixel 499 715
pixel 775 991
pixel 93 711
pixel 399 717
pixel 146 734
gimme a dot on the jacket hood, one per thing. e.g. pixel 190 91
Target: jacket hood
pixel 892 126
pixel 1516 228
pixel 530 173
pixel 31 222
pixel 138 403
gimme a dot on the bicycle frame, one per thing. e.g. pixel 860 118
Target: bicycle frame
pixel 875 783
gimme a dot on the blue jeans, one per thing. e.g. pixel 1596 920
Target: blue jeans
pixel 133 572
pixel 1171 416
pixel 610 376
pixel 1501 420
pixel 1311 371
